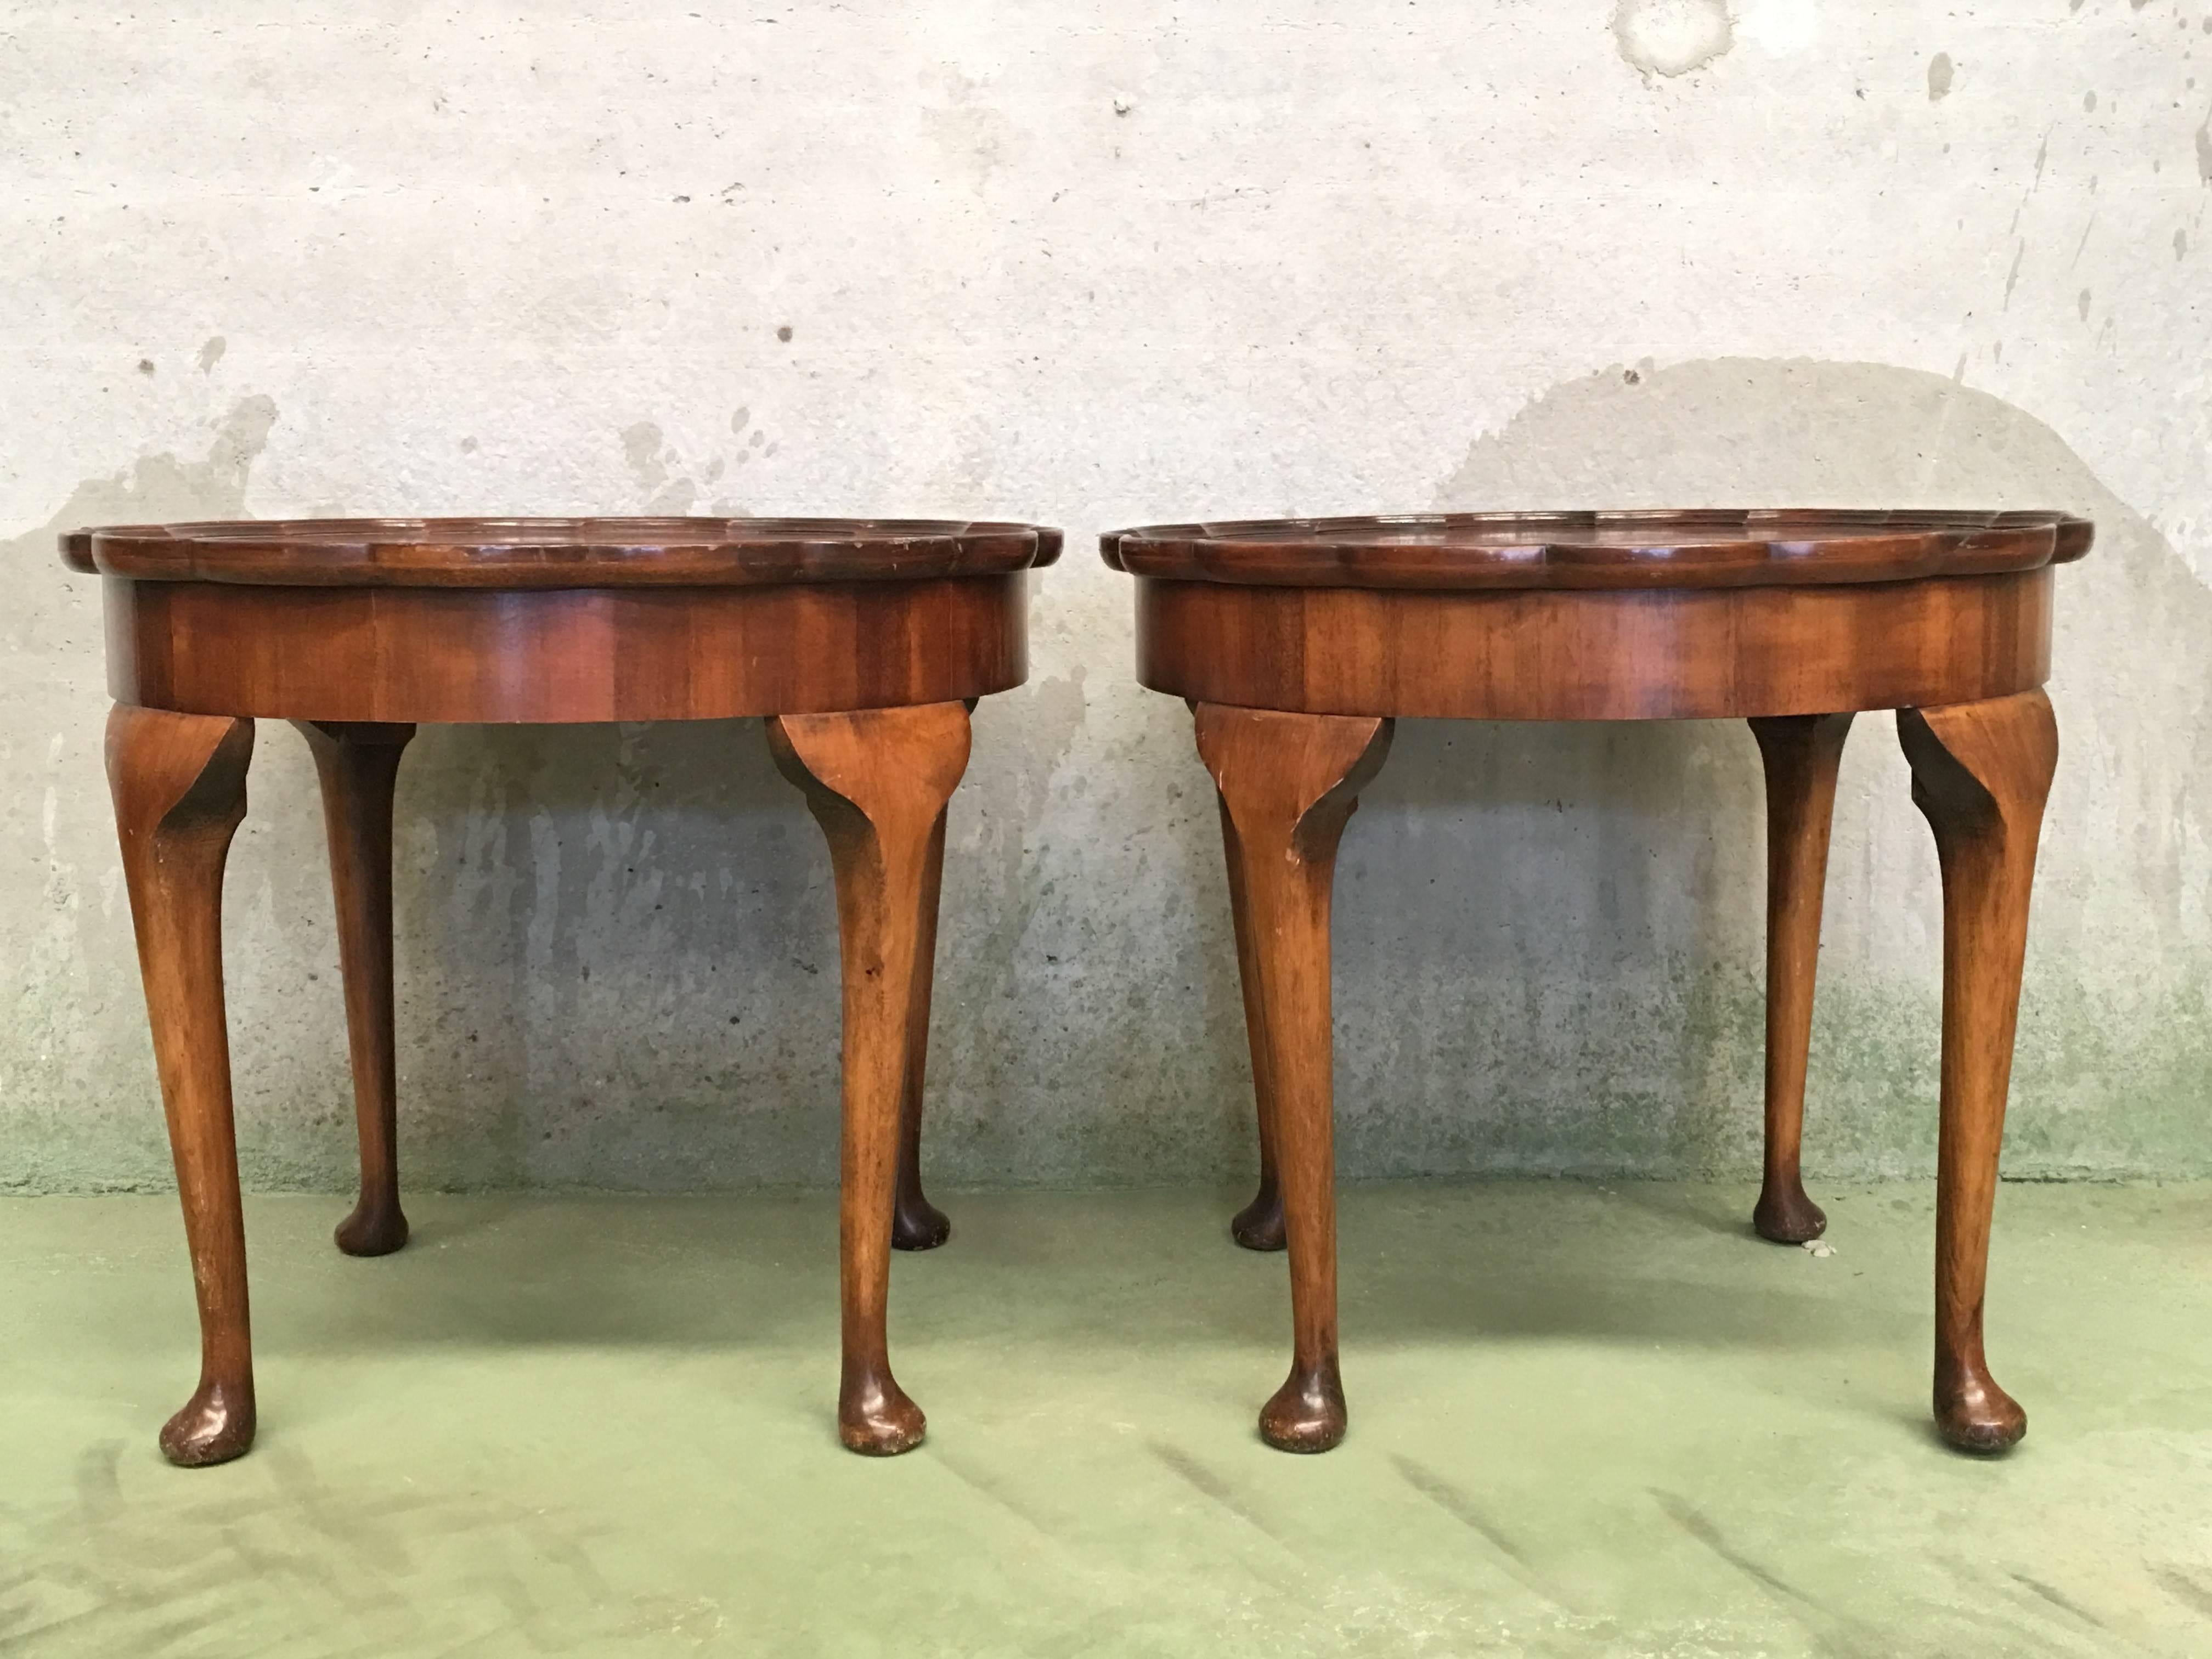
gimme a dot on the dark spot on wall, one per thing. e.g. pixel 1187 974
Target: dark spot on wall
pixel 1940 73
pixel 211 353
pixel 2089 102
pixel 2081 305
pixel 1631 377
pixel 468 445
pixel 1793 432
pixel 784 333
pixel 2204 151
pixel 145 364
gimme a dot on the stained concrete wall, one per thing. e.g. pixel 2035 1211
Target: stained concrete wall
pixel 1100 263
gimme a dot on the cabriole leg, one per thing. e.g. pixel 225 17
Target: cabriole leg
pixel 179 786
pixel 1801 753
pixel 1289 783
pixel 358 763
pixel 917 1224
pixel 1259 1224
pixel 1981 772
pixel 877 783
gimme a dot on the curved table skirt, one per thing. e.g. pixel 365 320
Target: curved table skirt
pixel 427 654
pixel 1699 653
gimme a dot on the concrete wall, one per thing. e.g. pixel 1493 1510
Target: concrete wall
pixel 1099 263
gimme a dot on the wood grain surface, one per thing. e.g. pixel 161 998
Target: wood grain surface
pixel 1703 548
pixel 1536 654
pixel 424 654
pixel 1297 641
pixel 529 553
pixel 864 641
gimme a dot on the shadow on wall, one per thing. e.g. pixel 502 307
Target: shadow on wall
pixel 618 960
pixel 617 948
pixel 77 1110
pixel 1550 937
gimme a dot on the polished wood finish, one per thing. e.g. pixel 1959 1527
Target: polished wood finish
pixel 877 783
pixel 1297 641
pixel 1436 552
pixel 1608 655
pixel 180 787
pixel 358 766
pixel 864 641
pixel 1801 753
pixel 1980 776
pixel 1259 1224
pixel 1289 784
pixel 917 1224
pixel 511 554
pixel 429 655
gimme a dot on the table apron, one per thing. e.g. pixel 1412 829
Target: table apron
pixel 1536 654
pixel 431 654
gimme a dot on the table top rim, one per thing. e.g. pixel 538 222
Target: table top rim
pixel 1604 548
pixel 541 550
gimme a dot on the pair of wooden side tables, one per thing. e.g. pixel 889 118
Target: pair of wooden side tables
pixel 864 643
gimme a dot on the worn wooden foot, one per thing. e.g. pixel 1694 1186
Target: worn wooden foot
pixel 917 1224
pixel 1801 753
pixel 877 783
pixel 1981 772
pixel 1259 1224
pixel 1289 783
pixel 179 786
pixel 358 763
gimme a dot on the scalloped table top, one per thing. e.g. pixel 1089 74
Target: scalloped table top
pixel 1715 547
pixel 543 553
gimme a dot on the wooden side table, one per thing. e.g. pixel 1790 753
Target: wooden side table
pixel 1298 641
pixel 864 643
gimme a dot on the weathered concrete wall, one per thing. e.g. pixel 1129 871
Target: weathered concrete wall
pixel 1099 263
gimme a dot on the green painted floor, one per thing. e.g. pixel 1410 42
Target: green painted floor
pixel 1585 1420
